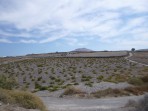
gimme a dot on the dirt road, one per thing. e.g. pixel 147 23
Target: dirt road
pixel 71 104
pixel 128 58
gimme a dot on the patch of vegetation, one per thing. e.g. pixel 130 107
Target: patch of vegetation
pixel 145 69
pixel 22 99
pixel 139 90
pixel 71 90
pixel 8 82
pixel 108 92
pixel 100 78
pixel 145 79
pixel 135 81
pixel 89 84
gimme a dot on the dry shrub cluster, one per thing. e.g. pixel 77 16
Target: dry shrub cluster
pixel 22 99
pixel 71 90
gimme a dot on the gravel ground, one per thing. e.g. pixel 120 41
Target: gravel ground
pixel 14 108
pixel 71 104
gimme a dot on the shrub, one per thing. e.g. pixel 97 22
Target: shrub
pixel 53 88
pixel 89 84
pixel 76 83
pixel 40 65
pixel 22 99
pixel 120 78
pixel 145 69
pixel 7 83
pixel 137 90
pixel 135 81
pixel 71 90
pixel 100 77
pixel 39 79
pixel 43 88
pixel 37 86
pixel 145 79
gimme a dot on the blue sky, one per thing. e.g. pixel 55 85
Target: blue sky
pixel 42 26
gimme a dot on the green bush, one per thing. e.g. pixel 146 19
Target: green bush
pixel 100 77
pixel 135 81
pixel 89 84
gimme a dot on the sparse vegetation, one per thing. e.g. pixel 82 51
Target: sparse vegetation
pixel 37 73
pixel 121 92
pixel 135 81
pixel 8 82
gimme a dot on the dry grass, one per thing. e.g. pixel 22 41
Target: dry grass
pixel 71 90
pixel 139 90
pixel 145 79
pixel 137 81
pixel 22 99
pixel 109 93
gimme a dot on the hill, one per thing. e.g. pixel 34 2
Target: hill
pixel 82 50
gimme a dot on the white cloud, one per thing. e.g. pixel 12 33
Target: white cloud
pixel 48 20
pixel 5 41
pixel 53 38
pixel 28 41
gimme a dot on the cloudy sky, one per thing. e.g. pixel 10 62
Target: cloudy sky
pixel 40 26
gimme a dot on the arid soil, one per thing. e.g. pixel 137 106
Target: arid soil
pixel 58 73
pixel 55 74
pixel 141 57
pixel 4 107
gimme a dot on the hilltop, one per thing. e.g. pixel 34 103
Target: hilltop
pixel 82 50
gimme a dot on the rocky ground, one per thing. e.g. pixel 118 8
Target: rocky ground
pixel 4 107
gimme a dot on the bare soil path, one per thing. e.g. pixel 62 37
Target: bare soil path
pixel 128 58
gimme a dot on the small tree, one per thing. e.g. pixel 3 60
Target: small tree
pixel 133 49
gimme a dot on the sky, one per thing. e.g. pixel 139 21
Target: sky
pixel 43 26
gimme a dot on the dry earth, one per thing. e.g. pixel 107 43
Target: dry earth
pixel 4 107
pixel 58 73
pixel 141 57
